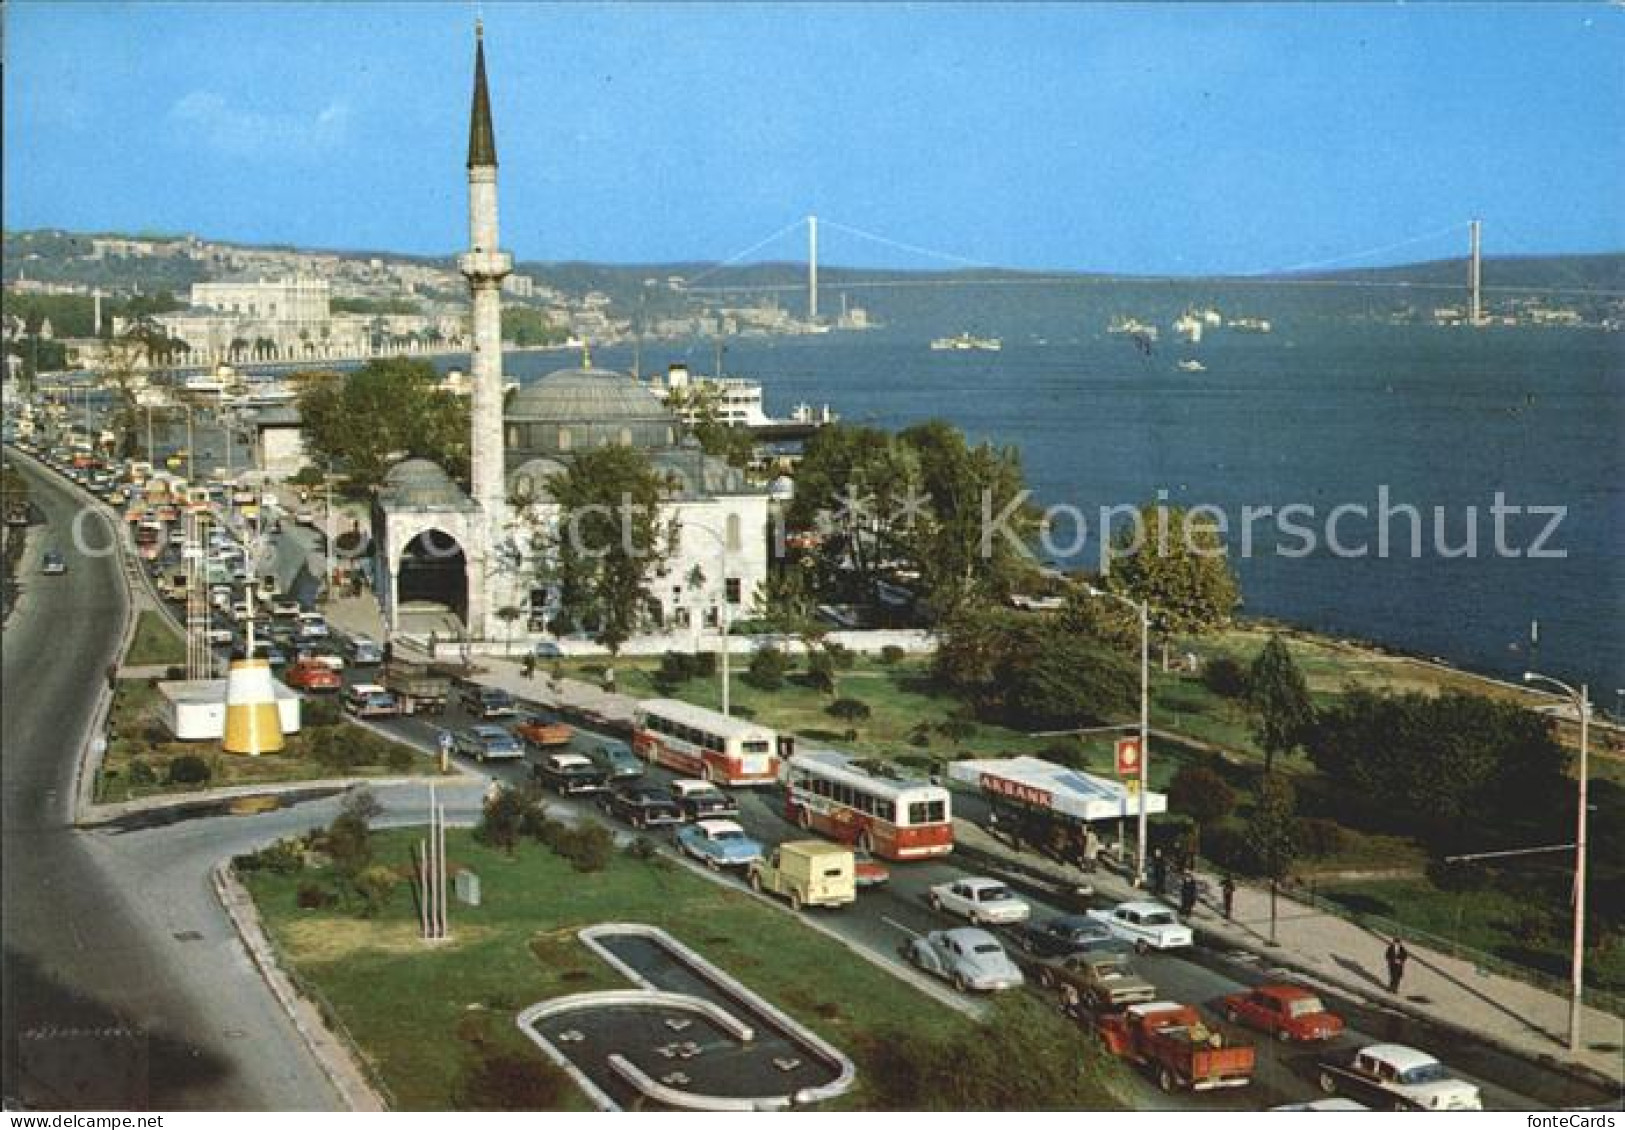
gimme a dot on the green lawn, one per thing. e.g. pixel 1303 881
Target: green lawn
pixel 423 1014
pixel 1509 925
pixel 155 643
pixel 140 752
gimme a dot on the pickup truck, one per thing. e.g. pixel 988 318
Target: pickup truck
pixel 541 731
pixel 418 687
pixel 1176 1046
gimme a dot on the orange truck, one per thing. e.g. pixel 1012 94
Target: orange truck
pixel 1180 1050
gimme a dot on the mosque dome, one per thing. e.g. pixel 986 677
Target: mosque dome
pixel 421 483
pixel 575 410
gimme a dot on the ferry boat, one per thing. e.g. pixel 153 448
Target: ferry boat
pixel 964 342
pixel 1250 325
pixel 1190 365
pixel 736 400
pixel 1122 324
pixel 1189 327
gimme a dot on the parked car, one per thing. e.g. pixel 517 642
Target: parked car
pixel 52 564
pixel 700 800
pixel 642 806
pixel 1287 1012
pixel 982 901
pixel 486 743
pixel 972 959
pixel 1179 1049
pixel 616 759
pixel 1396 1077
pixel 309 675
pixel 1145 925
pixel 543 731
pixel 312 626
pixel 808 873
pixel 364 651
pixel 368 700
pixel 569 774
pixel 718 843
pixel 488 702
pixel 1099 980
pixel 1068 934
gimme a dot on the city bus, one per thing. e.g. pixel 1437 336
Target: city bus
pixel 705 744
pixel 869 804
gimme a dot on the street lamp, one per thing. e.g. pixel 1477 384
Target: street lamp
pixel 722 547
pixel 1142 609
pixel 1577 963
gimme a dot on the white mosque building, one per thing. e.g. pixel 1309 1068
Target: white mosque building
pixel 470 554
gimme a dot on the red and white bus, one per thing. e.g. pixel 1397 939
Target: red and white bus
pixel 705 744
pixel 869 804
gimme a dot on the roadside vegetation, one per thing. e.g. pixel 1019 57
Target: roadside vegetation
pixel 155 642
pixel 436 1024
pixel 143 759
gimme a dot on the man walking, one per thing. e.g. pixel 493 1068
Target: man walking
pixel 1187 895
pixel 1159 872
pixel 1397 956
pixel 1228 889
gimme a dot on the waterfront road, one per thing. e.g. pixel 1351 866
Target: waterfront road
pixel 123 984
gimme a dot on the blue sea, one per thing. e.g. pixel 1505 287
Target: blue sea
pixel 1320 413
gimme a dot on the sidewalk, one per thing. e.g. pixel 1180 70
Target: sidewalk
pixel 1445 990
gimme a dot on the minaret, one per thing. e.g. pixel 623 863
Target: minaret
pixel 485 266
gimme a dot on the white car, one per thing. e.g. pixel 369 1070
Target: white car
pixel 1145 925
pixel 982 901
pixel 1396 1077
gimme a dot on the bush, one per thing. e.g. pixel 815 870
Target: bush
pixel 891 654
pixel 1226 846
pixel 503 1080
pixel 141 773
pixel 317 712
pixel 588 845
pixel 703 665
pixel 957 729
pixel 642 848
pixel 189 769
pixel 768 667
pixel 1225 676
pixel 314 896
pixel 1317 837
pixel 675 667
pixel 849 709
pixel 285 857
pixel 375 885
pixel 821 671
pixel 920 735
pixel 842 656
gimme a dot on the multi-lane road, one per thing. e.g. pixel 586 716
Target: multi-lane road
pixel 124 984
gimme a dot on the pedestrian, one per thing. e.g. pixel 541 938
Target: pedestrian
pixel 529 665
pixel 1228 889
pixel 1397 956
pixel 1159 872
pixel 1187 895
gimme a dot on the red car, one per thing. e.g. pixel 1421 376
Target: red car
pixel 1287 1012
pixel 313 675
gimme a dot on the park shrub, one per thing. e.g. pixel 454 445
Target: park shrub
pixel 188 769
pixel 314 896
pixel 316 712
pixel 891 654
pixel 507 1080
pixel 285 857
pixel 142 773
pixel 957 729
pixel 842 656
pixel 767 669
pixel 920 735
pixel 1225 676
pixel 375 885
pixel 642 848
pixel 820 674
pixel 675 668
pixel 703 665
pixel 1225 844
pixel 849 709
pixel 1318 837
pixel 587 845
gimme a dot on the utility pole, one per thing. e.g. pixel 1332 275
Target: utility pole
pixel 812 268
pixel 1475 311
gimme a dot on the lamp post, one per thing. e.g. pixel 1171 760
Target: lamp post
pixel 722 547
pixel 1577 696
pixel 1142 610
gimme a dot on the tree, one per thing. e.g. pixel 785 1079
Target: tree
pixel 1203 795
pixel 375 885
pixel 510 615
pixel 1446 767
pixel 1179 568
pixel 1279 697
pixel 610 539
pixel 348 843
pixel 389 409
pixel 768 666
pixel 1271 831
pixel 504 818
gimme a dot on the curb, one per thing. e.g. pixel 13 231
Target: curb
pixel 339 1061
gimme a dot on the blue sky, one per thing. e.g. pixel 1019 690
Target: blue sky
pixel 1158 139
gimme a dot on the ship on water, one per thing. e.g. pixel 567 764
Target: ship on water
pixel 966 342
pixel 736 401
pixel 1123 324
